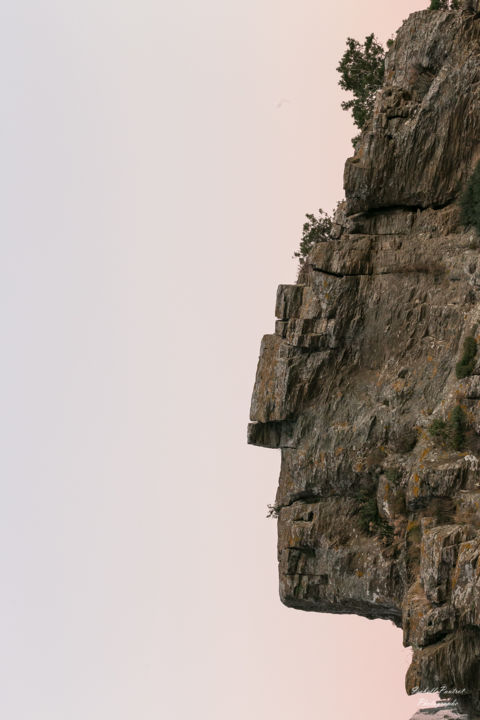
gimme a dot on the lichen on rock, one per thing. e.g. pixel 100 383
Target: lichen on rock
pixel 374 516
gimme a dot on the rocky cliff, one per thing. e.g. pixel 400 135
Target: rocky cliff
pixel 379 493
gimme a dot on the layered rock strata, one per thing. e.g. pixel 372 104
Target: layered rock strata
pixel 377 514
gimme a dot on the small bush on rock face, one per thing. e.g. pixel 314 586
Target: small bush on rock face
pixel 470 201
pixel 459 425
pixel 316 229
pixel 438 430
pixel 465 366
pixel 370 521
pixel 450 434
pixel 273 511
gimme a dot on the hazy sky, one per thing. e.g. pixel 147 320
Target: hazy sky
pixel 158 160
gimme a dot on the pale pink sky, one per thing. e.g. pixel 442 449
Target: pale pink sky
pixel 153 195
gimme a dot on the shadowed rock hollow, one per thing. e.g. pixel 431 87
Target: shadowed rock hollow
pixel 377 516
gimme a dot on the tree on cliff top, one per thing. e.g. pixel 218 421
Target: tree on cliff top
pixel 361 72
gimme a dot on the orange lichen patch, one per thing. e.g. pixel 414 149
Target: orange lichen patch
pixel 416 488
pixel 338 451
pixel 435 370
pixel 429 358
pixel 340 426
pixel 359 573
pixel 399 385
pixel 358 467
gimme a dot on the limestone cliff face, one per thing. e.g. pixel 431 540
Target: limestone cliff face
pixel 375 515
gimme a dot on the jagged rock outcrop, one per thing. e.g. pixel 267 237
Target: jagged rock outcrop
pixel 423 142
pixel 376 515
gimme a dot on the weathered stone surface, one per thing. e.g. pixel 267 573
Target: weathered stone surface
pixel 376 515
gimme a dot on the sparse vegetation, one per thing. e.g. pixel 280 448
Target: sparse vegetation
pixel 273 511
pixel 458 423
pixel 361 71
pixel 450 434
pixel 316 229
pixel 470 201
pixel 370 521
pixel 465 366
pixel 438 431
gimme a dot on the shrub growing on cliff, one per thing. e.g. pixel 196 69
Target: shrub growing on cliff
pixel 361 71
pixel 273 511
pixel 470 201
pixel 465 366
pixel 458 423
pixel 370 521
pixel 438 431
pixel 450 434
pixel 316 229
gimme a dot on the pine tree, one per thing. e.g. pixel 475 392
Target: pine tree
pixel 361 69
